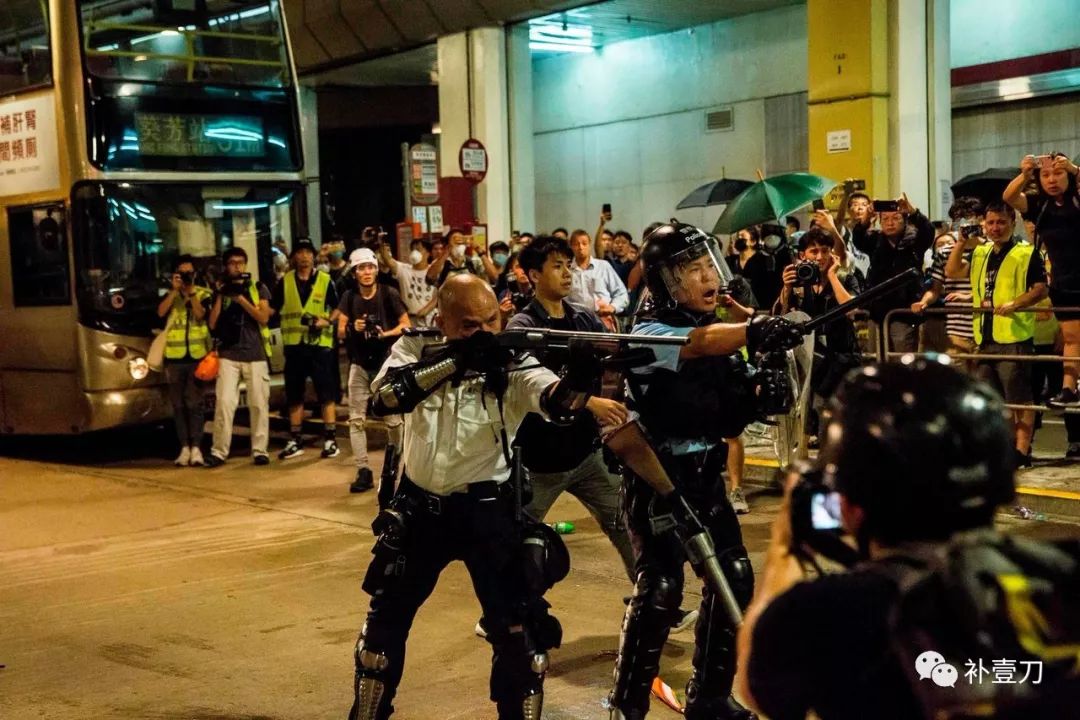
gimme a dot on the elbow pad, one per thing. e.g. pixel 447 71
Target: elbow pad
pixel 412 384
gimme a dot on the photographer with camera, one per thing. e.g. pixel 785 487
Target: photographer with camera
pixel 903 236
pixel 914 463
pixel 369 320
pixel 1054 208
pixel 815 284
pixel 419 297
pixel 238 319
pixel 187 340
pixel 307 301
pixel 1007 276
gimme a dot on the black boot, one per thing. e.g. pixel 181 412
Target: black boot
pixel 364 481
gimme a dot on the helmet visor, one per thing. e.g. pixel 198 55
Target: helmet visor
pixel 696 265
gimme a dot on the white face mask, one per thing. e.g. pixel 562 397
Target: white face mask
pixel 323 267
pixel 457 252
pixel 414 257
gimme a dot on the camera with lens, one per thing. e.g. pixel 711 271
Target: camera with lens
pixel 816 521
pixel 187 277
pixel 371 331
pixel 807 272
pixel 237 285
pixel 969 230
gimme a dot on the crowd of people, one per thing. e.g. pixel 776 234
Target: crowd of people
pixel 674 435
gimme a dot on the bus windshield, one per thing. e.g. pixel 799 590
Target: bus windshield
pixel 128 236
pixel 225 42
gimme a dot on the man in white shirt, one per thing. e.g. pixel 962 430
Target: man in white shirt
pixel 454 501
pixel 419 296
pixel 596 285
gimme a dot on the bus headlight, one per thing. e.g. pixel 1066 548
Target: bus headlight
pixel 138 368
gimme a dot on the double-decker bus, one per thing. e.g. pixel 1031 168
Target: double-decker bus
pixel 131 131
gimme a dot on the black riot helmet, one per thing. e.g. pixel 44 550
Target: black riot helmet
pixel 923 449
pixel 668 248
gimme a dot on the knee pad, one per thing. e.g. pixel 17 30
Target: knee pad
pixel 369 686
pixel 736 565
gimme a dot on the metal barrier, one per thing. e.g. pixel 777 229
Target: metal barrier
pixel 889 354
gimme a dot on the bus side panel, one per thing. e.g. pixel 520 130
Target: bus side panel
pixel 43 403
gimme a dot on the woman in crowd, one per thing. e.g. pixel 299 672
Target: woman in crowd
pixel 751 264
pixel 1054 208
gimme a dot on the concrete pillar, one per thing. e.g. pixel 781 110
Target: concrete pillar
pixel 473 100
pixel 522 165
pixel 309 139
pixel 879 69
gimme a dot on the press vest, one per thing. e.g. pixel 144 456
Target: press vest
pixel 1010 283
pixel 187 336
pixel 292 332
pixel 1045 329
pixel 264 331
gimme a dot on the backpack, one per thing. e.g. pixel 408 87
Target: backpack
pixel 987 625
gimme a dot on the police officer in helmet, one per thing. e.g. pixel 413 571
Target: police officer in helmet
pixel 916 453
pixel 689 400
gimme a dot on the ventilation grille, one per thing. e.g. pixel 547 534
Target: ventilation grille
pixel 719 120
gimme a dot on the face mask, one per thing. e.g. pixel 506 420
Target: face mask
pixel 322 267
pixel 499 259
pixel 337 254
pixel 415 257
pixel 740 244
pixel 457 252
pixel 773 242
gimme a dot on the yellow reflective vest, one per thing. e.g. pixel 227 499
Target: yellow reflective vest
pixel 185 335
pixel 292 331
pixel 1010 283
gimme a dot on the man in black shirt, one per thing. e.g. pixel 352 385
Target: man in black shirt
pixel 369 320
pixel 567 458
pixel 900 244
pixel 916 453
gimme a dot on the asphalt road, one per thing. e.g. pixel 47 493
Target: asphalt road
pixel 133 589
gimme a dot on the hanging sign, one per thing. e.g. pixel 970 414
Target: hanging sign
pixel 424 174
pixel 29 158
pixel 473 160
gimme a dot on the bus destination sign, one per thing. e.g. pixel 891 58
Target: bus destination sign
pixel 178 135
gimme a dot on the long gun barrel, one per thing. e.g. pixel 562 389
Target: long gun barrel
pixel 863 299
pixel 543 338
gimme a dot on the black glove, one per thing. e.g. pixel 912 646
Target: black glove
pixel 773 388
pixel 583 367
pixel 768 333
pixel 480 353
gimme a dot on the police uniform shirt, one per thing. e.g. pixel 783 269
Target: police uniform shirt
pixel 667 358
pixel 453 438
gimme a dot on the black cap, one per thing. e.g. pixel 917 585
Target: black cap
pixel 303 244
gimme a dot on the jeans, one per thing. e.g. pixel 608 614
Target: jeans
pixel 186 396
pixel 359 394
pixel 257 377
pixel 597 489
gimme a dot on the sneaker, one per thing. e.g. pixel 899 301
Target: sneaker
pixel 738 501
pixel 184 458
pixel 1066 398
pixel 686 619
pixel 292 449
pixel 213 461
pixel 480 630
pixel 1073 450
pixel 364 481
pixel 261 459
pixel 196 456
pixel 330 449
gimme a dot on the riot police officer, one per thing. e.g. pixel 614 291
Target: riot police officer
pixel 689 400
pixel 454 502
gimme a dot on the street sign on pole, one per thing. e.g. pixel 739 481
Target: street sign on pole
pixel 473 160
pixel 424 174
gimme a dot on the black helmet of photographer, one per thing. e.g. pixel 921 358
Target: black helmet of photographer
pixel 671 245
pixel 923 449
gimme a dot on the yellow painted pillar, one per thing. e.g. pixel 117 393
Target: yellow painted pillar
pixel 848 91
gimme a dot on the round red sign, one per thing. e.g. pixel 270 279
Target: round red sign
pixel 473 160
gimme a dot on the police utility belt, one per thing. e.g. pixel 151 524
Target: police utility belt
pixel 433 504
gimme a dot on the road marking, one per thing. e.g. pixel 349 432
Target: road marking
pixel 1060 494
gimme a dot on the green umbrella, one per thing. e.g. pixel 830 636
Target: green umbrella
pixel 771 199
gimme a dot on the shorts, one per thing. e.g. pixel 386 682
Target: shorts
pixel 310 361
pixel 1011 379
pixel 1065 298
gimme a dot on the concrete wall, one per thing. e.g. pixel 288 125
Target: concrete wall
pixel 986 31
pixel 626 125
pixel 1000 135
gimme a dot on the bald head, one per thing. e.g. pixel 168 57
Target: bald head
pixel 467 304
